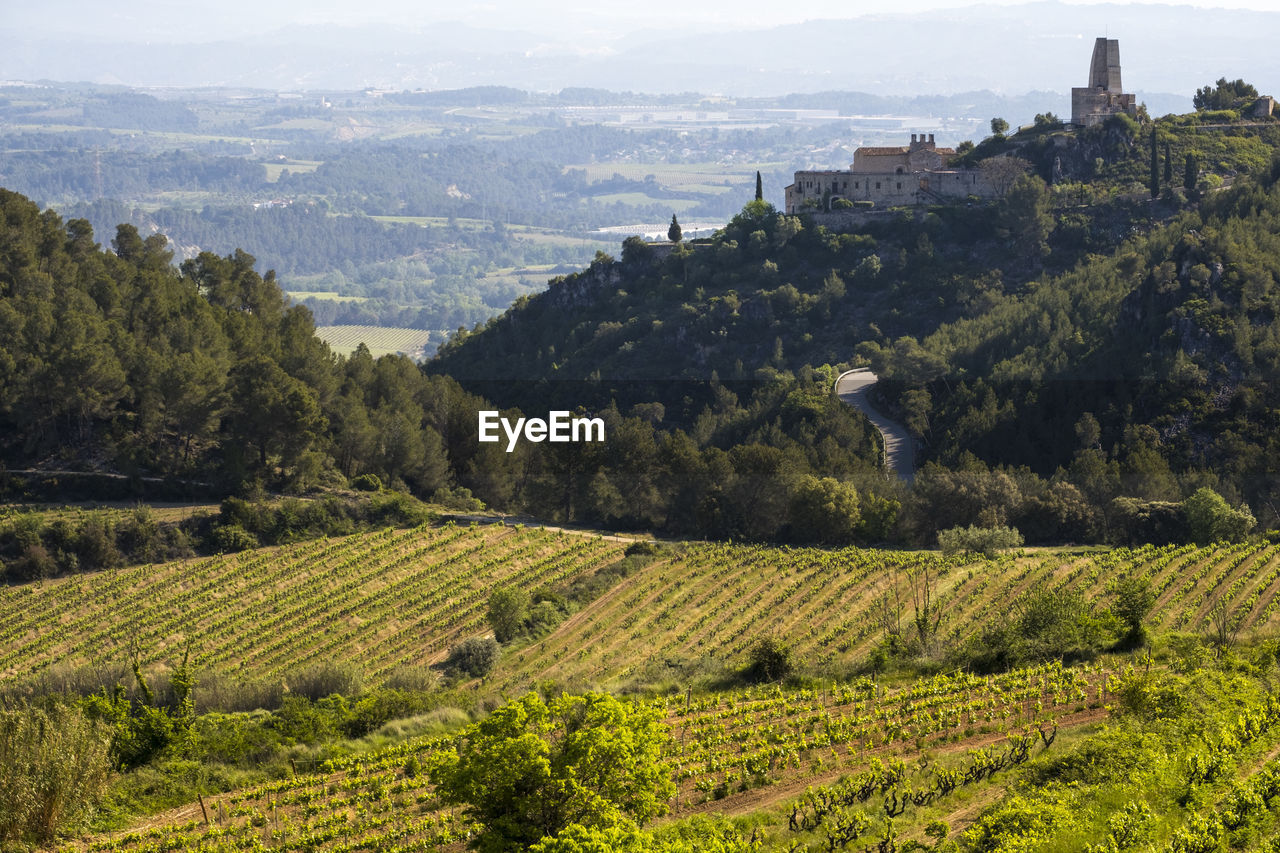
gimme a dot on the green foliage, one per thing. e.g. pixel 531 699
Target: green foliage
pixel 1224 95
pixel 999 127
pixel 1045 624
pixel 769 659
pixel 1152 695
pixel 1211 519
pixel 623 837
pixel 699 835
pixel 231 539
pixel 1154 184
pixel 987 541
pixel 1134 599
pixel 531 770
pixel 367 483
pixel 674 234
pixel 507 613
pixel 1016 824
pixel 1134 520
pixel 825 510
pixel 55 767
pixel 326 678
pixel 475 657
pixel 1024 215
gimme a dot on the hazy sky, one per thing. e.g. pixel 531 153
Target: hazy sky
pixel 201 20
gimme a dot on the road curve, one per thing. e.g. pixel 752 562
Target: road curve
pixel 852 387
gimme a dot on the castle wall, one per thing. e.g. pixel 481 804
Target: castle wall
pixel 884 189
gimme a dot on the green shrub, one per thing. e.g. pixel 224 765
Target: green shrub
pixel 987 541
pixel 419 679
pixel 769 660
pixel 300 721
pixel 475 656
pixel 231 538
pixel 138 536
pixel 234 738
pixel 367 483
pixel 325 679
pixel 507 613
pixel 458 498
pixel 96 545
pixel 55 764
pixel 1211 519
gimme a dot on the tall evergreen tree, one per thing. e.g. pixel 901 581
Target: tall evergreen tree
pixel 1168 166
pixel 1191 172
pixel 759 187
pixel 674 234
pixel 1155 166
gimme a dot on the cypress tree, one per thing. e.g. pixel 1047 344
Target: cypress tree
pixel 674 234
pixel 759 187
pixel 1191 172
pixel 1155 166
pixel 1168 166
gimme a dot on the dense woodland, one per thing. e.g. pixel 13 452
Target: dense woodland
pixel 1055 358
pixel 117 361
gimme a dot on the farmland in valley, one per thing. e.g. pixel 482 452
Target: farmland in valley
pixel 381 340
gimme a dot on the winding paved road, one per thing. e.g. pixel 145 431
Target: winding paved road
pixel 899 452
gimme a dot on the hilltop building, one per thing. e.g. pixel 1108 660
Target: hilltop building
pixel 904 175
pixel 1104 96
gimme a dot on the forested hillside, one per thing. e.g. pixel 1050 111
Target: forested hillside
pixel 1139 373
pixel 118 361
pixel 115 361
pixel 1057 350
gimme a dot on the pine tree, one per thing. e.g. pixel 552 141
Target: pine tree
pixel 759 188
pixel 674 234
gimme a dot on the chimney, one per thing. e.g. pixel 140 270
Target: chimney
pixel 913 139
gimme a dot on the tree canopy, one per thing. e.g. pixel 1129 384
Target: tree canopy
pixel 531 769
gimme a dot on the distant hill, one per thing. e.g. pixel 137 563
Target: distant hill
pixel 1012 49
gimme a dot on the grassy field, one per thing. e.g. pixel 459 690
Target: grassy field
pixel 679 205
pixel 326 295
pixel 274 170
pixel 381 340
pixel 694 177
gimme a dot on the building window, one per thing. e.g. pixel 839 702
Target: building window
pixel 877 185
pixel 899 184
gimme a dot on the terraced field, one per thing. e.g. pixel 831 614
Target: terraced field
pixel 395 597
pixel 400 596
pixel 724 750
pixel 711 603
pixel 380 599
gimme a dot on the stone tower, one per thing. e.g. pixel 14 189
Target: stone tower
pixel 1104 71
pixel 1104 96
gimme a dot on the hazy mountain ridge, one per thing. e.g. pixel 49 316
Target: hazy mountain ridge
pixel 944 51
